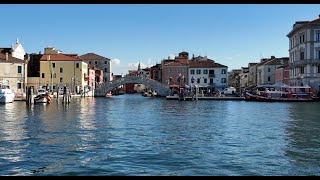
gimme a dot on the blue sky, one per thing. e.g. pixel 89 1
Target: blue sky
pixel 233 35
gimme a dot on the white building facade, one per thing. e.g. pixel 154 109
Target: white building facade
pixel 14 72
pixel 207 74
pixel 304 54
pixel 13 67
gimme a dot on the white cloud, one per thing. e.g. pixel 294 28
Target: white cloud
pixel 172 56
pixel 115 61
pixel 135 65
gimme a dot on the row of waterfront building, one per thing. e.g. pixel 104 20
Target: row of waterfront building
pixel 52 69
pixel 55 69
pixel 302 67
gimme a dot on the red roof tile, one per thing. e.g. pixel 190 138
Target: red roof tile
pixel 175 63
pixel 59 57
pixel 92 56
pixel 10 59
pixel 204 63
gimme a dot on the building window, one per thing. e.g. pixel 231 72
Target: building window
pixel 95 62
pixel 105 69
pixel 19 69
pixel 223 71
pixel 318 69
pixel 269 69
pixel 77 65
pixel 192 71
pixel 105 62
pixel 318 54
pixel 198 71
pixel 211 81
pixel 205 71
pixel 53 75
pixel 61 80
pixel 198 80
pixel 53 65
pixel 317 36
pixel 302 70
pixel 302 55
pixel 205 80
pixel 269 78
pixel 42 75
pixel 89 62
pixel 223 80
pixel 211 71
pixel 301 38
pixel 61 70
pixel 19 86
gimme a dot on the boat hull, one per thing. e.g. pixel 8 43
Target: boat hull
pixel 250 97
pixel 108 95
pixel 42 99
pixel 7 98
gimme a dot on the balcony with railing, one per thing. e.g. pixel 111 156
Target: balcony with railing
pixel 305 62
pixel 212 76
pixel 306 75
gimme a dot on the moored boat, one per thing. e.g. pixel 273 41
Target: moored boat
pixel 6 94
pixel 42 96
pixel 108 95
pixel 280 92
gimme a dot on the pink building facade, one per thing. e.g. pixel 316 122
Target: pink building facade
pixel 171 69
pixel 282 74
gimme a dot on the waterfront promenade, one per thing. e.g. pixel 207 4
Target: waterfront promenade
pixel 190 98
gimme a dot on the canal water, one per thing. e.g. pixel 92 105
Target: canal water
pixel 135 135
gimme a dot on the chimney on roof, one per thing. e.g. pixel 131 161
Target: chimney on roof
pixel 7 56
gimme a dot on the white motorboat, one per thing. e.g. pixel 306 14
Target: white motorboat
pixel 6 94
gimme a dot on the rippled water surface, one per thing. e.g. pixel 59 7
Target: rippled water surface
pixel 135 135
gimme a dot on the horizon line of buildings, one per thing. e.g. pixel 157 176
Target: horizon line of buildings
pixel 55 69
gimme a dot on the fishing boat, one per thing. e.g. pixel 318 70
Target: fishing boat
pixel 280 92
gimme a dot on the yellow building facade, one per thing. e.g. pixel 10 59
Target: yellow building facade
pixel 59 70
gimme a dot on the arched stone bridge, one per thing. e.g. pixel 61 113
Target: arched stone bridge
pixel 161 89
